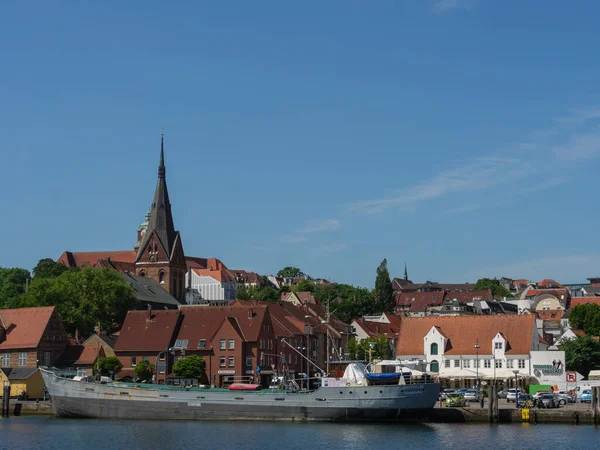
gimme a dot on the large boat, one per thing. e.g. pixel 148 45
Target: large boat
pixel 337 399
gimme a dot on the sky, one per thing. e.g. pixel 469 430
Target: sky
pixel 461 137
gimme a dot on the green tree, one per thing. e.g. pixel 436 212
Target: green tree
pixel 581 354
pixel 84 298
pixel 13 284
pixel 483 284
pixel 109 366
pixel 191 366
pixel 587 318
pixel 290 272
pixel 144 370
pixel 48 268
pixel 361 350
pixel 304 286
pixel 384 293
pixel 263 294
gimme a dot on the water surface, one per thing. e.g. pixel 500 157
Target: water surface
pixel 48 433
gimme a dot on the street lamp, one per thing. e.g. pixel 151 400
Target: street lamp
pixel 371 347
pixel 477 347
pixel 516 372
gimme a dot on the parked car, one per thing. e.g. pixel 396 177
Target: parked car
pixel 445 393
pixel 562 395
pixel 512 394
pixel 503 393
pixel 549 400
pixel 525 401
pixel 538 394
pixel 471 395
pixel 586 396
pixel 455 399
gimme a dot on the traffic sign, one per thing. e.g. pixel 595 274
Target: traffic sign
pixel 571 377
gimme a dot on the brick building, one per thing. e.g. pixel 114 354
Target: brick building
pixel 31 337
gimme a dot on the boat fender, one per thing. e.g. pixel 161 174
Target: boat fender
pixel 347 383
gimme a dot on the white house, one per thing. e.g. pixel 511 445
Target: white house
pixel 460 349
pixel 214 282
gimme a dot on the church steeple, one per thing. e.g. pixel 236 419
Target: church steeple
pixel 161 219
pixel 405 273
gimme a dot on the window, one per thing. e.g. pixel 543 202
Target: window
pixel 47 359
pixel 161 277
pixel 456 363
pixel 5 359
pixel 521 364
pixel 231 361
pixel 142 274
pixel 181 343
pixel 161 368
pixel 231 344
pixel 133 361
pixel 248 361
pixel 161 357
pixel 509 363
pixel 202 343
pixel 222 362
pixel 261 344
pixel 447 364
pixel 487 363
pixel 467 364
pixel 433 349
pixel 222 344
pixel 498 364
pixel 22 358
pixel 498 345
pixel 435 366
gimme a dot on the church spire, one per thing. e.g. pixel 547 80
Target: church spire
pixel 161 219
pixel 161 166
pixel 405 272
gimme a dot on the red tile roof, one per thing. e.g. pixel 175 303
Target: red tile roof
pixel 24 326
pixel 532 293
pixel 464 331
pixel 549 283
pixel 579 332
pixel 576 301
pixel 203 322
pixel 81 259
pixel 375 329
pixel 81 355
pixel 406 299
pixel 147 330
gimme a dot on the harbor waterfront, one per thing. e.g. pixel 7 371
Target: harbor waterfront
pixel 51 433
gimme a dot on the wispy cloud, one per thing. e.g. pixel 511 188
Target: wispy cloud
pixel 312 227
pixel 444 6
pixel 516 168
pixel 317 226
pixel 478 174
pixel 463 209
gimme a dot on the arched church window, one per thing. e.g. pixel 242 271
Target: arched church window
pixel 434 349
pixel 161 277
pixel 142 274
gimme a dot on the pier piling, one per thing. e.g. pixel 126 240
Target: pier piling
pixel 5 400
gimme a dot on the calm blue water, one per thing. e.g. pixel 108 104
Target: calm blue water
pixel 49 433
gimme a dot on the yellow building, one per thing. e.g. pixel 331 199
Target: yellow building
pixel 28 380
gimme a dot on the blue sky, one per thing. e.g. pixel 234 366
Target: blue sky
pixel 459 136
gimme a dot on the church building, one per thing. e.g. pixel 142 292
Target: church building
pixel 158 253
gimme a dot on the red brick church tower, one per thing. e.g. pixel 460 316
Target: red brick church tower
pixel 160 252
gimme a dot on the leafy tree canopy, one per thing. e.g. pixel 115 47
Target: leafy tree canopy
pixel 84 298
pixel 586 318
pixel 12 285
pixel 189 367
pixel 303 286
pixel 264 293
pixel 361 350
pixel 494 285
pixel 384 293
pixel 109 366
pixel 48 268
pixel 290 272
pixel 144 370
pixel 581 354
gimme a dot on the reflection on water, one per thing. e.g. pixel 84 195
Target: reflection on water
pixel 49 433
